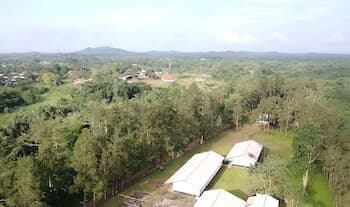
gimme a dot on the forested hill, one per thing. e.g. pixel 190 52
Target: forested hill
pixel 105 51
pixel 118 52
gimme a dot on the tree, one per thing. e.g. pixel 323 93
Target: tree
pixel 26 190
pixel 271 174
pixel 306 145
pixel 85 163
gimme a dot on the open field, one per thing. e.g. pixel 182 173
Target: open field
pixel 235 179
pixel 185 80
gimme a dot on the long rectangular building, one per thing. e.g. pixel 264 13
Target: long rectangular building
pixel 194 176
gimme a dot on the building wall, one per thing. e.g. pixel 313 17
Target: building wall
pixel 185 187
pixel 243 161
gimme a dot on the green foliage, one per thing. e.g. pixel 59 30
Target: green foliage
pixel 111 90
pixel 84 161
pixel 25 191
pixel 306 145
pixel 272 173
pixel 9 97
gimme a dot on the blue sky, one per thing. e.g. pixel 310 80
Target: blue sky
pixel 185 25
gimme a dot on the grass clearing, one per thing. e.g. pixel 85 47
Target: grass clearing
pixel 184 80
pixel 233 180
pixel 318 194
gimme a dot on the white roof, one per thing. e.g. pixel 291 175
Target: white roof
pixel 262 200
pixel 249 148
pixel 198 170
pixel 219 198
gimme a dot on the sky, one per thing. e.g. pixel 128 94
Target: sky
pixel 294 26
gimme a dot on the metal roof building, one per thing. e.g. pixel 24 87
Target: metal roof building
pixel 219 198
pixel 262 200
pixel 193 177
pixel 244 153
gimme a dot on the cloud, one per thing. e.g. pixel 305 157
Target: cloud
pixel 278 36
pixel 337 39
pixel 236 38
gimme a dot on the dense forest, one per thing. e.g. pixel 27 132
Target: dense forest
pixel 101 134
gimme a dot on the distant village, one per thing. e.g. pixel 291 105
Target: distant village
pixel 11 79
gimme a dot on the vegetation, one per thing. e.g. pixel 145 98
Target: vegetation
pixel 73 131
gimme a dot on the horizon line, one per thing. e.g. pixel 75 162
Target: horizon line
pixel 176 51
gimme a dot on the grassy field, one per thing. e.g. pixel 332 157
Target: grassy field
pixel 235 179
pixel 185 80
pixel 51 97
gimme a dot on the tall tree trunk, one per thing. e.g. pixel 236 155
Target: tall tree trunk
pixel 84 199
pixel 113 187
pixel 287 121
pixel 305 180
pixel 94 199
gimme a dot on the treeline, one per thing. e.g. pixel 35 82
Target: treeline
pixel 11 97
pixel 90 148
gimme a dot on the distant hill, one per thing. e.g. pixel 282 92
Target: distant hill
pixel 110 52
pixel 102 51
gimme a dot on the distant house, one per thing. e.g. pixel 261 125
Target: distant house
pixel 244 153
pixel 194 176
pixel 69 74
pixel 167 77
pixel 206 75
pixel 219 198
pixel 126 77
pixel 263 119
pixel 81 81
pixel 262 200
pixel 141 74
pixel 199 79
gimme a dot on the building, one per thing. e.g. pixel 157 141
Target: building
pixel 219 198
pixel 194 176
pixel 262 200
pixel 263 119
pixel 167 77
pixel 126 77
pixel 81 81
pixel 244 153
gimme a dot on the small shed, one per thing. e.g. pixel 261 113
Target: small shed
pixel 244 153
pixel 219 198
pixel 194 176
pixel 262 200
